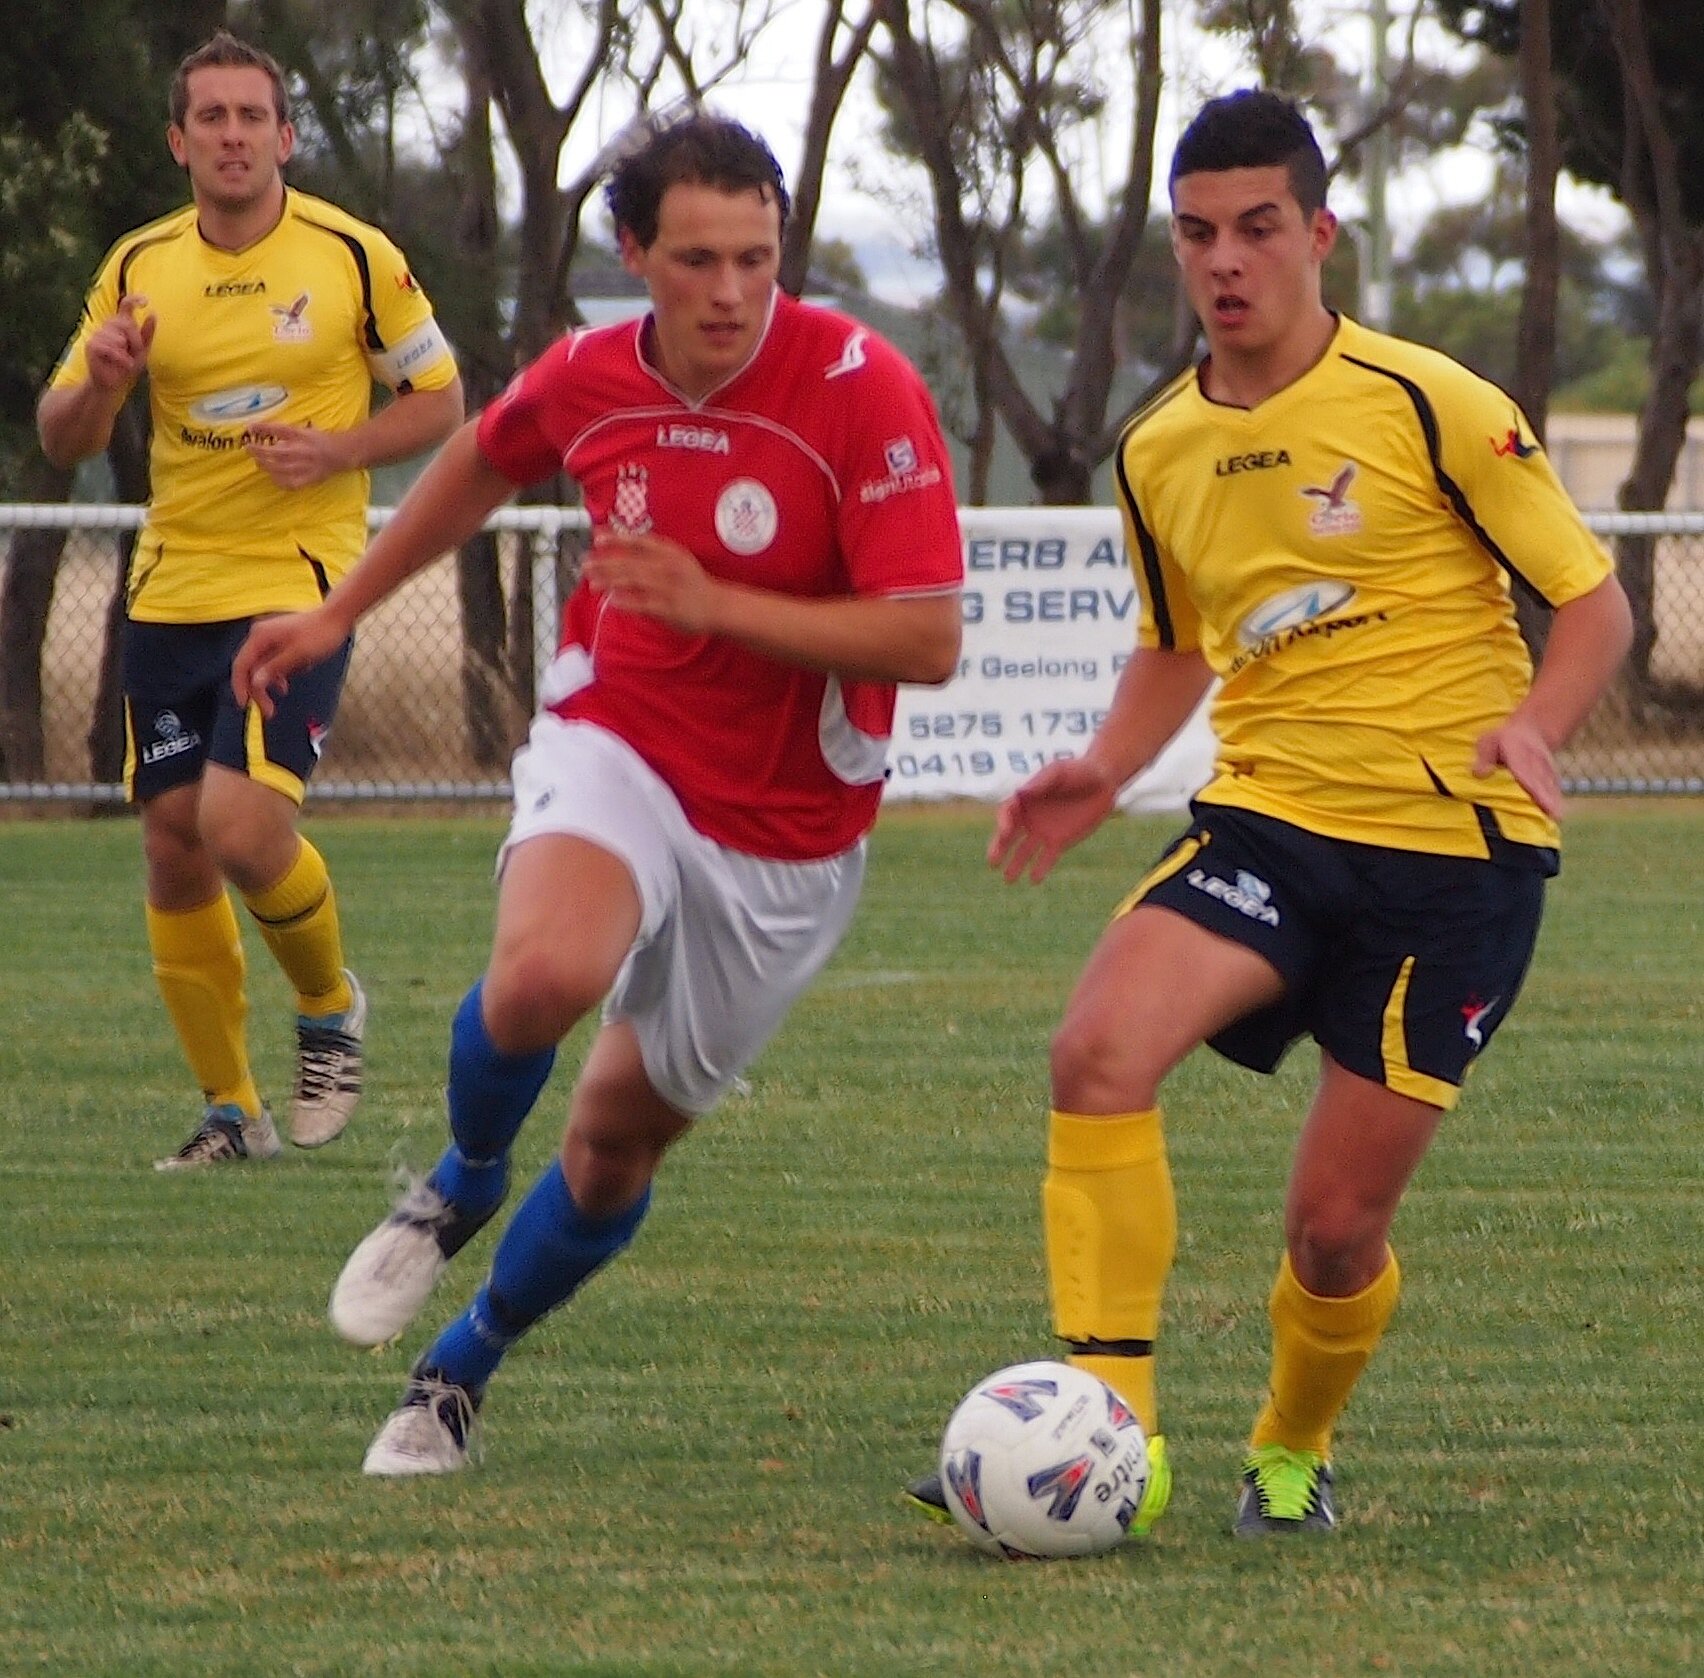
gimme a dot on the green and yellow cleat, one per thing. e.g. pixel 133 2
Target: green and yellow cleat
pixel 1284 1491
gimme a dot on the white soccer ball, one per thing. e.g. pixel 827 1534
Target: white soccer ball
pixel 1043 1460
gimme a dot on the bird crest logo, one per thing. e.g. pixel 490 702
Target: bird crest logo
pixel 1334 513
pixel 290 325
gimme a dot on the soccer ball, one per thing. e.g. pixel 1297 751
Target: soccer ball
pixel 1043 1460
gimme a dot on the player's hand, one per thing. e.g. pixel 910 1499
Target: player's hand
pixel 1054 809
pixel 117 349
pixel 653 575
pixel 277 648
pixel 297 456
pixel 1519 747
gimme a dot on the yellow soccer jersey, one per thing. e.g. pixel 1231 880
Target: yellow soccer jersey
pixel 1341 556
pixel 294 329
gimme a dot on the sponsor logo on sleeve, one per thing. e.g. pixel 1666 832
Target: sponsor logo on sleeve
pixel 1512 445
pixel 905 472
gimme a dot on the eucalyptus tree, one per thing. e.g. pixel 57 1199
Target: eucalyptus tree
pixel 1629 84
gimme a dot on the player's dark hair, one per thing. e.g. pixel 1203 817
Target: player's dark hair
pixel 225 52
pixel 703 148
pixel 1254 129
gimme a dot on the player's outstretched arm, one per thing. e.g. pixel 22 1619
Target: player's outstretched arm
pixel 1063 803
pixel 913 638
pixel 448 502
pixel 1588 639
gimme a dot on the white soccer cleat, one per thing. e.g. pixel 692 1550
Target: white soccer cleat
pixel 392 1273
pixel 226 1134
pixel 328 1071
pixel 428 1433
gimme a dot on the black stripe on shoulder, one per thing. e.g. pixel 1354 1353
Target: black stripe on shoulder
pixel 1453 491
pixel 146 238
pixel 1149 553
pixel 1147 549
pixel 358 252
pixel 1156 402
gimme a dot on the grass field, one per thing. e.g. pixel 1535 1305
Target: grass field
pixel 693 1469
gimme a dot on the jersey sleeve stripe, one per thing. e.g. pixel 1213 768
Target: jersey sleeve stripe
pixel 1149 553
pixel 130 256
pixel 1453 491
pixel 358 254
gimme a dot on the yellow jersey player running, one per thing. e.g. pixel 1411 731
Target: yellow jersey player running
pixel 261 317
pixel 1326 520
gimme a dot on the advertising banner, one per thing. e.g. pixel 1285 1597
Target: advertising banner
pixel 1049 622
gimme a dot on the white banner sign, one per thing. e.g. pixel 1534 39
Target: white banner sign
pixel 1050 619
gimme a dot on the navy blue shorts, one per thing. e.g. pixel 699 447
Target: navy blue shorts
pixel 180 714
pixel 1399 964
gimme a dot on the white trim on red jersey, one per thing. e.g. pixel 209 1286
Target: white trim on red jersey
pixel 817 470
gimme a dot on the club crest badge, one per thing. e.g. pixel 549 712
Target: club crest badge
pixel 746 518
pixel 630 512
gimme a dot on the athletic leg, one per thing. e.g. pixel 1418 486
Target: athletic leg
pixel 1155 987
pixel 567 912
pixel 1336 1289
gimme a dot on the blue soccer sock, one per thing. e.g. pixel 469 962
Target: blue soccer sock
pixel 548 1250
pixel 490 1095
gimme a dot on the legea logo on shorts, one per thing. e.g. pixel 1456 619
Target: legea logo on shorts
pixel 231 407
pixel 1250 896
pixel 1306 603
pixel 173 739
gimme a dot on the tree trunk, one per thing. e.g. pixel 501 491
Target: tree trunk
pixel 1535 337
pixel 1675 351
pixel 128 456
pixel 26 598
pixel 1675 262
pixel 1535 342
pixel 828 88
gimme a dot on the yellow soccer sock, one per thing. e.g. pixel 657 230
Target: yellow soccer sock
pixel 297 916
pixel 198 963
pixel 1110 1219
pixel 1319 1348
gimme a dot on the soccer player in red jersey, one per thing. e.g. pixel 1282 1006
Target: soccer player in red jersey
pixel 775 546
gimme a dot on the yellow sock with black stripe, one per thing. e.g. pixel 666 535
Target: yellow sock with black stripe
pixel 199 966
pixel 297 916
pixel 1319 1348
pixel 1110 1218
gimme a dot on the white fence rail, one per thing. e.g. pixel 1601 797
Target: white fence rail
pixel 442 680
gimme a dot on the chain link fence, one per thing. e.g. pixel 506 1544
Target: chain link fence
pixel 443 678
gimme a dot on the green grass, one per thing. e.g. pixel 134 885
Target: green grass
pixel 693 1469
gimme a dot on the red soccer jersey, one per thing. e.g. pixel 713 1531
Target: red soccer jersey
pixel 817 470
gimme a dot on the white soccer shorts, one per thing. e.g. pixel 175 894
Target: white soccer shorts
pixel 726 942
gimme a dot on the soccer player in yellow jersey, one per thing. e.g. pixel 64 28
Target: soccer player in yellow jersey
pixel 1326 520
pixel 261 317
